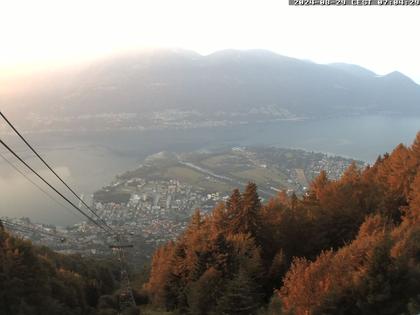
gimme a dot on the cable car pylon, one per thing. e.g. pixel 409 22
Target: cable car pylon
pixel 126 297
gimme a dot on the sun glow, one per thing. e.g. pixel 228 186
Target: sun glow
pixel 38 34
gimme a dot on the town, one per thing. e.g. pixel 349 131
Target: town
pixel 152 204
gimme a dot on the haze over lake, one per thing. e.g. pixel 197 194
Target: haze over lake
pixel 90 161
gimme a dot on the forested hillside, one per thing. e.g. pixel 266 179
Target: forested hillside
pixel 349 246
pixel 36 281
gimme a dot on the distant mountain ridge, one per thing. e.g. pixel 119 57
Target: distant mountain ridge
pixel 227 83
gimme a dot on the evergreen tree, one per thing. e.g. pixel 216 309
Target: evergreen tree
pixel 246 220
pixel 245 249
pixel 234 203
pixel 203 293
pixel 37 281
pixel 413 211
pixel 234 208
pixel 402 171
pixel 219 220
pixel 318 185
pixel 415 149
pixel 239 297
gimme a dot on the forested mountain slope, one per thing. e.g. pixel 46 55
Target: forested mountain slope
pixel 36 281
pixel 349 246
pixel 228 85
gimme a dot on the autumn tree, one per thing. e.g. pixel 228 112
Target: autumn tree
pixel 348 246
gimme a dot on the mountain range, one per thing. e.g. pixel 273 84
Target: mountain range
pixel 226 85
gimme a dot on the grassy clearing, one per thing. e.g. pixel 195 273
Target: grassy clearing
pixel 225 162
pixel 184 174
pixel 261 175
pixel 215 185
pixel 215 161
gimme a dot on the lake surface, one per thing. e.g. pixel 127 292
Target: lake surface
pixel 90 161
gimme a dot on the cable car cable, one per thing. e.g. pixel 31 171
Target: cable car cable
pixel 51 169
pixel 53 188
pixel 36 185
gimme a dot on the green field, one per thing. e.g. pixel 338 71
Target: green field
pixel 183 173
pixel 261 175
pixel 195 178
pixel 269 167
pixel 225 162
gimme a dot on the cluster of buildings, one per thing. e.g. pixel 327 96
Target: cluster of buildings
pixel 165 119
pixel 153 211
pixel 159 209
pixel 333 166
pixel 156 212
pixel 81 238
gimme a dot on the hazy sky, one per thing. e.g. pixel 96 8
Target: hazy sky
pixel 35 34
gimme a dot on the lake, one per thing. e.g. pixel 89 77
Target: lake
pixel 90 161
